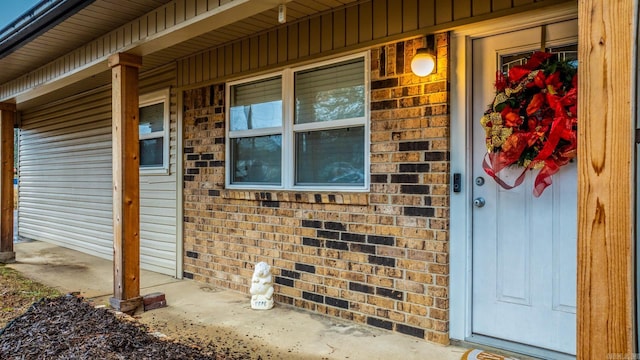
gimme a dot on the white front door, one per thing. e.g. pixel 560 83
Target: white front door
pixel 524 248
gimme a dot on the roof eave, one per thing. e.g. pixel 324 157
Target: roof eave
pixel 39 19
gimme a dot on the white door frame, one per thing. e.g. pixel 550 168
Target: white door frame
pixel 460 234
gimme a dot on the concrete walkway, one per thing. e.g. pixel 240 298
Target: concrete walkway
pixel 200 311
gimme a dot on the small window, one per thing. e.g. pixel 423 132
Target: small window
pixel 301 128
pixel 154 132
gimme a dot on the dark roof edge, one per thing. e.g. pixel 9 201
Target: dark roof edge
pixel 40 18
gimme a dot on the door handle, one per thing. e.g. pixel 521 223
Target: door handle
pixel 479 202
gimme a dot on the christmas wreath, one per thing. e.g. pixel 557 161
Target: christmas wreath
pixel 532 122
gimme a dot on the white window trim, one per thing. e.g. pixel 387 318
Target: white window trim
pixel 156 97
pixel 289 129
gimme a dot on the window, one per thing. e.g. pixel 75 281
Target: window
pixel 300 128
pixel 154 132
pixel 255 123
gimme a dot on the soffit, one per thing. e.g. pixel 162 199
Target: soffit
pixel 264 21
pixel 267 20
pixel 93 21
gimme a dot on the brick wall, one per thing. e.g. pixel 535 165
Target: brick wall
pixel 379 258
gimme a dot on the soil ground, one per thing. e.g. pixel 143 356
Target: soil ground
pixel 37 322
pixel 17 293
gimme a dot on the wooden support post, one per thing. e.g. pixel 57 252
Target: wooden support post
pixel 126 182
pixel 7 119
pixel 606 187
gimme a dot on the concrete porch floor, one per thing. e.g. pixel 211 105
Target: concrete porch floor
pixel 201 311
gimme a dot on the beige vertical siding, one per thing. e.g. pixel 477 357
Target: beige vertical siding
pixel 65 179
pixel 345 28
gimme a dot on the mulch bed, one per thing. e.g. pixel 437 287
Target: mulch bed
pixel 68 327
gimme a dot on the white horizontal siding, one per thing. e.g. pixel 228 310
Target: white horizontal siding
pixel 65 192
pixel 158 198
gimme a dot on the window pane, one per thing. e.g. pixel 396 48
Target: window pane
pixel 151 151
pixel 330 157
pixel 331 92
pixel 256 105
pixel 567 53
pixel 256 160
pixel 151 118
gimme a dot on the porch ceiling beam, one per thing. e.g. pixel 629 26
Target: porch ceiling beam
pixel 7 118
pixel 126 182
pixel 203 23
pixel 606 186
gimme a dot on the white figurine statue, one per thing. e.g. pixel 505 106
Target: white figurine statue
pixel 261 287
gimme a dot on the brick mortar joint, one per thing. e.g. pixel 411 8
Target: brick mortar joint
pixel 309 197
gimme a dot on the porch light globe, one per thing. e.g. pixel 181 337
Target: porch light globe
pixel 423 63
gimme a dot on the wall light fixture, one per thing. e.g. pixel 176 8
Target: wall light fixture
pixel 424 61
